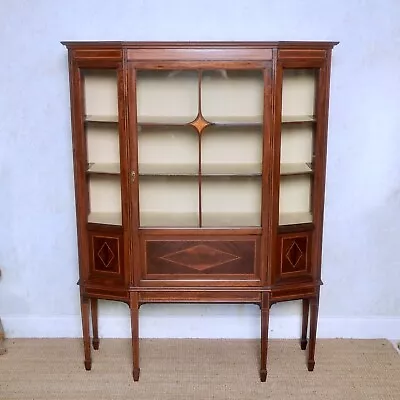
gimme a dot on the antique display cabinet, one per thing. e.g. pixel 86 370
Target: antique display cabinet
pixel 199 173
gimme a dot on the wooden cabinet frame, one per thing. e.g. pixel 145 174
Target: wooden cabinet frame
pixel 276 261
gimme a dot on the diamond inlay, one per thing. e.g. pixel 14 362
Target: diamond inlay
pixel 200 123
pixel 294 254
pixel 200 257
pixel 106 255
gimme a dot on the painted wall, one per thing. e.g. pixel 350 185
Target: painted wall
pixel 38 256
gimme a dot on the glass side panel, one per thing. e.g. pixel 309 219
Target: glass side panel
pixel 100 89
pixel 169 201
pixel 102 143
pixel 232 96
pixel 231 201
pixel 100 94
pixel 167 96
pixel 297 145
pixel 168 150
pixel 298 92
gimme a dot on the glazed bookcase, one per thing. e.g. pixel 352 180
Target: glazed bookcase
pixel 199 173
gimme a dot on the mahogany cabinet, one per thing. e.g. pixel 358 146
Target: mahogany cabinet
pixel 199 173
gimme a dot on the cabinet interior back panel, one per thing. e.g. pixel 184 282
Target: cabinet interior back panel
pixel 295 194
pixel 105 194
pixel 298 92
pixel 100 92
pixel 238 146
pixel 231 194
pixel 296 143
pixel 227 93
pixel 169 146
pixel 102 143
pixel 169 94
pixel 168 194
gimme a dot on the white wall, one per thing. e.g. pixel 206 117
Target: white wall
pixel 38 256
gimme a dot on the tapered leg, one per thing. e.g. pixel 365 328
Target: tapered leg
pixel 95 326
pixel 264 335
pixel 134 305
pixel 304 327
pixel 314 303
pixel 86 331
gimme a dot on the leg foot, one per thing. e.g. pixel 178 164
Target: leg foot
pixel 304 325
pixel 88 365
pixel 86 334
pixel 314 303
pixel 96 344
pixel 136 374
pixel 134 306
pixel 95 326
pixel 265 304
pixel 263 375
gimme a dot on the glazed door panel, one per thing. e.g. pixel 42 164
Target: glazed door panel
pixel 199 135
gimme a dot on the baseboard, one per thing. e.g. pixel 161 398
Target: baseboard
pixel 214 326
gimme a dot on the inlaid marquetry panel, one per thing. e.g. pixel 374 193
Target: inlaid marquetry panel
pixel 294 256
pixel 106 255
pixel 200 257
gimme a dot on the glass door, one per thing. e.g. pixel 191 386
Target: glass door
pixel 200 147
pixel 298 124
pixel 100 94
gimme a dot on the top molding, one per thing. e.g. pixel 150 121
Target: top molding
pixel 257 53
pixel 208 44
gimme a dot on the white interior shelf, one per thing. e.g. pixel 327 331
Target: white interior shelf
pixel 104 168
pixel 249 169
pixel 296 168
pixel 168 169
pixel 163 219
pixel 231 219
pixel 160 219
pixel 228 169
pixel 295 218
pixel 169 219
pixel 289 119
pixel 164 120
pixel 110 218
pixel 232 120
pixel 101 118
